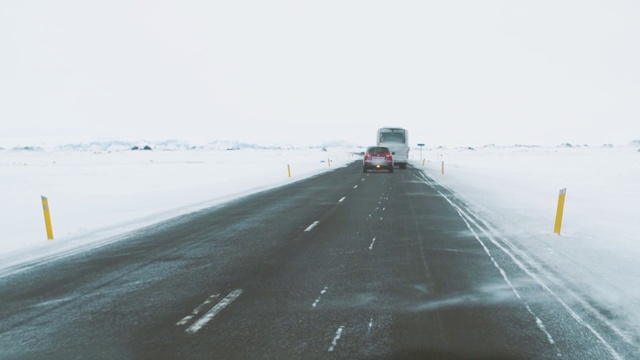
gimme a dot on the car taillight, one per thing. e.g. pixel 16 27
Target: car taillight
pixel 367 156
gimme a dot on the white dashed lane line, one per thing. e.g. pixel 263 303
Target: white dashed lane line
pixel 341 200
pixel 312 226
pixel 200 323
pixel 372 242
pixel 334 343
pixel 324 291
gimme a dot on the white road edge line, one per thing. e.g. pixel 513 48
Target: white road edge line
pixel 214 311
pixel 571 312
pixel 334 343
pixel 539 322
pixel 510 250
pixel 312 226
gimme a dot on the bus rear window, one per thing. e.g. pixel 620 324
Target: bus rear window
pixel 392 138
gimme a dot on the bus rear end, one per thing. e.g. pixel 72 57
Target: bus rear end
pixel 397 140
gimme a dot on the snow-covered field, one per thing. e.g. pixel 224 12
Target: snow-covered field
pixel 516 190
pixel 97 194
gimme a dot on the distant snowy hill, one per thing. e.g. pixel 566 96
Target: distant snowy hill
pixel 101 146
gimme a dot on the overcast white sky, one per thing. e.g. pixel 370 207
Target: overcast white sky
pixel 452 72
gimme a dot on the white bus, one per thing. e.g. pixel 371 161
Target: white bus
pixel 397 140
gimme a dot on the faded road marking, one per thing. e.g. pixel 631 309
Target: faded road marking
pixel 197 310
pixel 214 311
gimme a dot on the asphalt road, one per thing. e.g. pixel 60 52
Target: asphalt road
pixel 341 265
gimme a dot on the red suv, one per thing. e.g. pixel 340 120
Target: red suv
pixel 377 157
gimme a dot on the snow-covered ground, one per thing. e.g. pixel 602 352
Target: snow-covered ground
pixel 98 192
pixel 516 190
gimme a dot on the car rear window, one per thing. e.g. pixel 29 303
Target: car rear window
pixel 378 150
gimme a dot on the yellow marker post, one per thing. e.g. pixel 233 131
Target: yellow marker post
pixel 442 167
pixel 329 161
pixel 47 217
pixel 423 160
pixel 289 170
pixel 560 211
